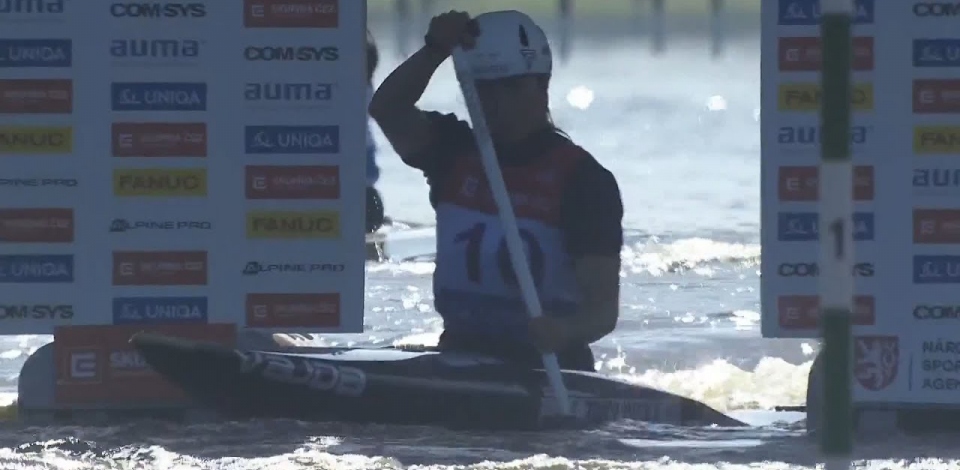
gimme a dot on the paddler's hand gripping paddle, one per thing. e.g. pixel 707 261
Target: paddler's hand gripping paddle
pixel 514 244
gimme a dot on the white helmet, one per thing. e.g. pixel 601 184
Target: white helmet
pixel 509 44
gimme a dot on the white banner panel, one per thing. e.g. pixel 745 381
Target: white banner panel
pixel 166 162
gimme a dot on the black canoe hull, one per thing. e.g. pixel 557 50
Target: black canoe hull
pixel 403 387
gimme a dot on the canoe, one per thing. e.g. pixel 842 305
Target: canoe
pixel 396 386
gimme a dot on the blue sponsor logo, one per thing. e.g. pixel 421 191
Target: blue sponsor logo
pixel 155 310
pixel 936 52
pixel 159 96
pixel 936 269
pixel 155 48
pixel 803 226
pixel 36 53
pixel 36 269
pixel 292 139
pixel 936 179
pixel 31 7
pixel 811 135
pixel 310 92
pixel 807 12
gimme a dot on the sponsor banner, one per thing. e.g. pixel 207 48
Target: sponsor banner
pixel 169 165
pixel 930 369
pixel 16 312
pixel 160 182
pixel 19 11
pixel 293 224
pixel 936 10
pixel 801 183
pixel 302 95
pixel 936 269
pixel 876 361
pixel 934 367
pixel 293 182
pixel 806 139
pixel 140 52
pixel 806 97
pixel 149 225
pixel 97 364
pixel 813 270
pixel 158 10
pixel 159 139
pixel 28 316
pixel 36 269
pixel 936 226
pixel 160 268
pixel 936 140
pixel 904 138
pixel 805 54
pixel 293 310
pixel 291 13
pixel 933 311
pixel 293 140
pixel 22 140
pixel 256 268
pixel 936 182
pixel 159 310
pixel 807 12
pixel 804 226
pixel 36 96
pixel 292 54
pixel 14 183
pixel 159 96
pixel 36 225
pixel 36 53
pixel 936 52
pixel 936 96
pixel 802 312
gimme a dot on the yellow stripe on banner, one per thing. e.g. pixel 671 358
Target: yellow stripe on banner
pixel 806 97
pixel 293 224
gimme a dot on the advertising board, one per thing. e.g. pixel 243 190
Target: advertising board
pixel 144 163
pixel 98 365
pixel 905 143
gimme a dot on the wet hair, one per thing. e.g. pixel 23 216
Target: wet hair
pixel 543 81
pixel 373 57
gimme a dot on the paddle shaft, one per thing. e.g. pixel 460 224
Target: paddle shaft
pixel 512 235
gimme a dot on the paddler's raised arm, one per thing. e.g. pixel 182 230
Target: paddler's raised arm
pixel 394 105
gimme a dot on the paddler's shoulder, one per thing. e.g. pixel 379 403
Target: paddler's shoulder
pixel 451 137
pixel 587 173
pixel 562 146
pixel 452 132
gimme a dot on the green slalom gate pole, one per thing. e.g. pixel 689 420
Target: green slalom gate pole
pixel 836 246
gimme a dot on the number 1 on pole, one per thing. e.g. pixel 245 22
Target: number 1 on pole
pixel 836 245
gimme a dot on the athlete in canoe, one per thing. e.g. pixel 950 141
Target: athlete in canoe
pixel 568 206
pixel 375 211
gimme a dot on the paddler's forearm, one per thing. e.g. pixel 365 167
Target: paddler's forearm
pixel 403 88
pixel 599 280
pixel 592 325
